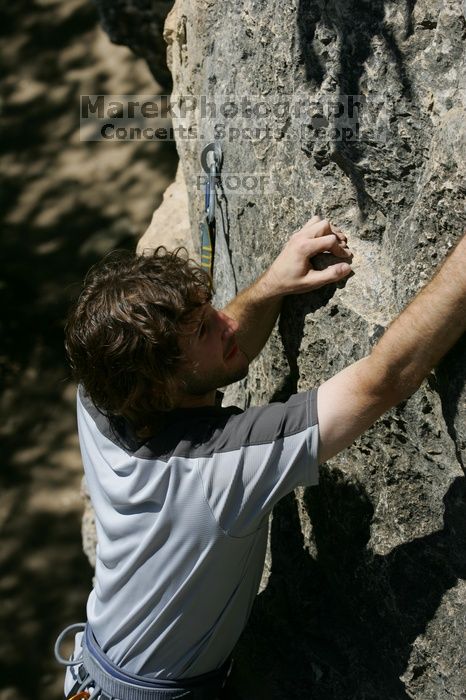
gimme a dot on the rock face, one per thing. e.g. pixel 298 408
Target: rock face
pixel 356 111
pixel 365 596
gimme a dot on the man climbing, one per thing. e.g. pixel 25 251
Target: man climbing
pixel 181 487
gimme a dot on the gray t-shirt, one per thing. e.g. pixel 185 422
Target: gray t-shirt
pixel 182 526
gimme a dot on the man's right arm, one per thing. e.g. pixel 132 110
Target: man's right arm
pixel 352 400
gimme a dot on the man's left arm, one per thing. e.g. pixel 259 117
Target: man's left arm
pixel 256 308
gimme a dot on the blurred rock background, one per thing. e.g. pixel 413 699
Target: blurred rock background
pixel 64 204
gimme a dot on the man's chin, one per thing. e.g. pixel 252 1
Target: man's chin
pixel 194 386
pixel 241 373
pixel 238 370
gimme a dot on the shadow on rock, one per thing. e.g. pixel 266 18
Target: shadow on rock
pixel 355 25
pixel 375 606
pixel 390 598
pixel 292 320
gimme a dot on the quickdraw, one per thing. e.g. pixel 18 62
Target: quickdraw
pixel 211 161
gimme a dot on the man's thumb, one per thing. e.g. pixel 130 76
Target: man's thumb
pixel 332 273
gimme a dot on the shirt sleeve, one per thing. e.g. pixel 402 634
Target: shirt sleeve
pixel 260 456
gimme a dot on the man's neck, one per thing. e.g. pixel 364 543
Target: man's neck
pixel 193 401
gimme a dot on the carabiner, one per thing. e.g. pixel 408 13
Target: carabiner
pixel 211 161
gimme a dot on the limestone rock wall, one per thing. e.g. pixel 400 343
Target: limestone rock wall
pixel 364 594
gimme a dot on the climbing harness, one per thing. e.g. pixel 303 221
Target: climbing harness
pixel 211 161
pixel 98 678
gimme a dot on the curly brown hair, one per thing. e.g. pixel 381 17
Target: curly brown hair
pixel 122 333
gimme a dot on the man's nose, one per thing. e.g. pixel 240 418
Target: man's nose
pixel 230 326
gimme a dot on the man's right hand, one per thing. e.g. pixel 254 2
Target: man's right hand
pixel 292 271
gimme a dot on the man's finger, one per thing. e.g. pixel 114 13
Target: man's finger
pixel 339 233
pixel 341 250
pixel 315 220
pixel 312 222
pixel 324 227
pixel 329 243
pixel 332 273
pixel 320 227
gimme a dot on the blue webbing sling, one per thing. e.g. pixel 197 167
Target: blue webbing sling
pixel 108 682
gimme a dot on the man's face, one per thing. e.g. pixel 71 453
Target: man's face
pixel 213 357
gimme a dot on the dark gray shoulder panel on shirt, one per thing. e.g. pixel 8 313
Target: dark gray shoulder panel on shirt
pixel 211 430
pixel 265 424
pixel 202 432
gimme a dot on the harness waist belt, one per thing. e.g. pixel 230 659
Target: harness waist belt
pixel 128 686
